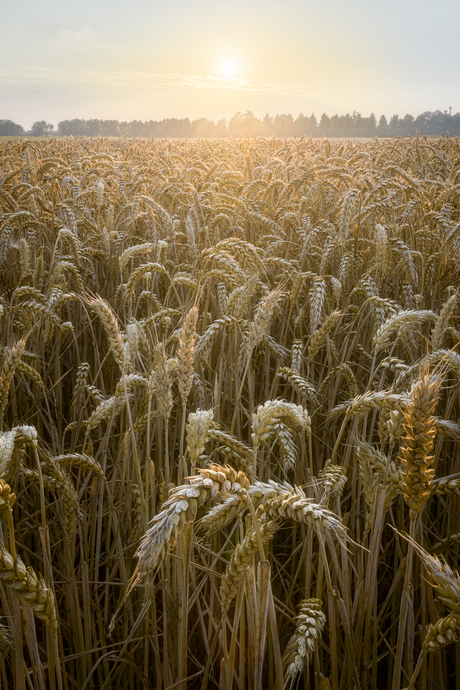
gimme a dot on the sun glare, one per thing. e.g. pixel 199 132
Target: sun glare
pixel 229 68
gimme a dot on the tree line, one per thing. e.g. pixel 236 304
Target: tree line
pixel 242 124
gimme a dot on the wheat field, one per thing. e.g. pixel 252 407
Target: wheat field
pixel 229 405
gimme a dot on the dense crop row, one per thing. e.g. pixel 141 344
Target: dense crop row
pixel 228 413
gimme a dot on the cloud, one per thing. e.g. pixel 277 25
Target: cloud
pixel 39 78
pixel 76 36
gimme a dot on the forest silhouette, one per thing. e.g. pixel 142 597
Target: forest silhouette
pixel 246 124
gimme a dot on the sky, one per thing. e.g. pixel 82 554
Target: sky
pixel 138 60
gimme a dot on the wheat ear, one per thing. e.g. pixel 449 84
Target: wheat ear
pixel 419 424
pixel 257 329
pixel 445 631
pixel 442 322
pixel 182 507
pixel 111 326
pixel 10 365
pixel 332 478
pixel 14 573
pixel 198 426
pixel 241 559
pixel 186 354
pixel 25 582
pixel 309 625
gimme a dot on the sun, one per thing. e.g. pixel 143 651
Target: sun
pixel 229 68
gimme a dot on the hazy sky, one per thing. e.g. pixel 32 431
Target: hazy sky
pixel 150 60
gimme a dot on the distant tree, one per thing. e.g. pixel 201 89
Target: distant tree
pixel 312 125
pixel 41 129
pixel 341 125
pixel 152 128
pixel 174 127
pixel 244 124
pixel 324 125
pixel 92 128
pixel 284 126
pixel 64 128
pixel 371 125
pixel 267 126
pixel 382 128
pixel 454 127
pixel 8 128
pixel 136 128
pixel 407 125
pixel 202 128
pixel 74 127
pixel 110 128
pixel 347 125
pixel 221 128
pixel 335 127
pixel 358 124
pixel 394 125
pixel 422 122
pixel 300 124
pixel 252 126
pixel 234 125
pixel 439 122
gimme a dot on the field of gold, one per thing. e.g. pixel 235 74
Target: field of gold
pixel 229 404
